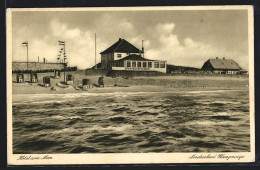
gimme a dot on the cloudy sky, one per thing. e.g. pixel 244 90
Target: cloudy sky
pixel 186 38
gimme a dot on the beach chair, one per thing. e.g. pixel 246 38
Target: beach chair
pixel 19 78
pixel 101 81
pixel 57 74
pixel 69 79
pixel 46 81
pixel 34 77
pixel 86 84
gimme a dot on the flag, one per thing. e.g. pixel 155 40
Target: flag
pixel 61 42
pixel 25 43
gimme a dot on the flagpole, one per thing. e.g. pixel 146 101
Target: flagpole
pixel 27 55
pixel 64 64
pixel 64 52
pixel 64 58
pixel 95 52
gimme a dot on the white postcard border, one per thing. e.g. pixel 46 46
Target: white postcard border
pixel 130 158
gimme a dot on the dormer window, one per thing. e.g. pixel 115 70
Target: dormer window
pixel 119 55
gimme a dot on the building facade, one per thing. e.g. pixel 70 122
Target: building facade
pixel 137 63
pixel 222 66
pixel 124 56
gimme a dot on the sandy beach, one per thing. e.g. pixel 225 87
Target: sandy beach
pixel 132 84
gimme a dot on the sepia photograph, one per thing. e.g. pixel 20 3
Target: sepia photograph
pixel 130 85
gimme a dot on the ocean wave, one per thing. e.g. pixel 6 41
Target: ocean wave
pixel 32 97
pixel 46 110
pixel 138 122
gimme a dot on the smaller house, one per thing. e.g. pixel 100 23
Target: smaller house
pixel 222 66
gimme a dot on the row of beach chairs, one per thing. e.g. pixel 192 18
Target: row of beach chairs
pixel 32 77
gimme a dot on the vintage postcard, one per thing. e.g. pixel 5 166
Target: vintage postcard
pixel 135 85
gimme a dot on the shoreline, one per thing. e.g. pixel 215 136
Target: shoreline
pixel 30 89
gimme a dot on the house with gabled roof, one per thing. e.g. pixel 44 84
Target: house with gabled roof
pixel 117 51
pixel 222 66
pixel 124 56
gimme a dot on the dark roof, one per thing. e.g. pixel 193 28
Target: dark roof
pixel 224 64
pixel 135 57
pixel 122 46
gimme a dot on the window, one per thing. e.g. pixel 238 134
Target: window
pixel 119 55
pixel 156 64
pixel 150 64
pixel 144 64
pixel 162 65
pixel 121 64
pixel 128 64
pixel 133 64
pixel 139 64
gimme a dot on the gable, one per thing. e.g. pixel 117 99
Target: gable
pixel 122 46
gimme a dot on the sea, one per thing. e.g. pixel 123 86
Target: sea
pixel 132 122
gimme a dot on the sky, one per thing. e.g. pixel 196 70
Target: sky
pixel 185 38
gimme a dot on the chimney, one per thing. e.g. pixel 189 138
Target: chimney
pixel 143 46
pixel 224 58
pixel 43 60
pixel 216 57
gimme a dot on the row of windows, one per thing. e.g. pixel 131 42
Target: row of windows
pixel 145 64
